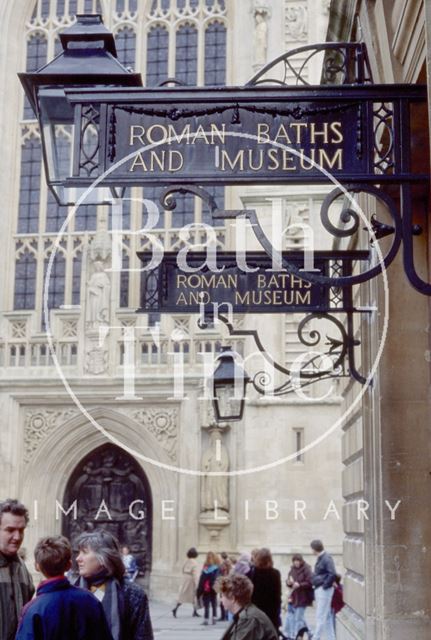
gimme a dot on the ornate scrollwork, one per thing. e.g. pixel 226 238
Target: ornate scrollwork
pixel 169 203
pixel 349 217
pixel 335 361
pixel 344 63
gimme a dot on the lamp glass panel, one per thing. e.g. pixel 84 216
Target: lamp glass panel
pixel 228 405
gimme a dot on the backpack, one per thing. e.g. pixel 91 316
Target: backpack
pixel 207 585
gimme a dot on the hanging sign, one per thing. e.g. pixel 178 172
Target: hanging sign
pixel 189 284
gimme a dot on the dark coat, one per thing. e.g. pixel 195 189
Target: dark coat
pixel 61 611
pixel 303 595
pixel 16 589
pixel 134 612
pixel 250 624
pixel 210 573
pixel 324 572
pixel 267 593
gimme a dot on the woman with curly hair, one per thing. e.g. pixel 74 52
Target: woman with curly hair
pixel 249 622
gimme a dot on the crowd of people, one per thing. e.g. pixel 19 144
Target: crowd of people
pixel 249 593
pixel 104 601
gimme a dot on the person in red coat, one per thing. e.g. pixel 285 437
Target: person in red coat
pixel 337 602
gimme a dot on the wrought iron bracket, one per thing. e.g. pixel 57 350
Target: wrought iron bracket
pixel 338 360
pixel 402 230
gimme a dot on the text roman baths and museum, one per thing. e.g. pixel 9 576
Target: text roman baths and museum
pixel 216 199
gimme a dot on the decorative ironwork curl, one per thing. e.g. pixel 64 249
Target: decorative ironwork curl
pixel 169 203
pixel 352 65
pixel 338 351
pixel 347 215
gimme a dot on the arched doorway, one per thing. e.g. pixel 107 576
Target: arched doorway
pixel 111 493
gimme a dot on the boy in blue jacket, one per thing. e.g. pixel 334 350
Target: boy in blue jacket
pixel 60 611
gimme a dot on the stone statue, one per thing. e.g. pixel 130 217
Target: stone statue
pixel 98 297
pixel 260 36
pixel 215 489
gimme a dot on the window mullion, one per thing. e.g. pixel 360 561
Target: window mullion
pixel 200 71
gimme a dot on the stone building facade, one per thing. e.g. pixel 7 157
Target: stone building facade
pixel 80 445
pixel 386 444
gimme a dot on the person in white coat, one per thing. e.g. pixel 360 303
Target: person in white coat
pixel 187 592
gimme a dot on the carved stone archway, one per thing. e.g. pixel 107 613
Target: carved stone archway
pixel 111 492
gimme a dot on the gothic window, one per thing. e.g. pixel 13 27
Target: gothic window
pixel 56 214
pixel 36 58
pixel 218 194
pixel 76 279
pixel 86 217
pixel 185 39
pixel 44 11
pixel 56 281
pixel 29 196
pixel 125 40
pixel 160 5
pixel 184 212
pixel 215 54
pixel 73 7
pixel 157 56
pixel 124 282
pixel 186 54
pixel 25 281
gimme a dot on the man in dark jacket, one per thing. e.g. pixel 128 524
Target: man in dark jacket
pixel 16 585
pixel 323 583
pixel 60 611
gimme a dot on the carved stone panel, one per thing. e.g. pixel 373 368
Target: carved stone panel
pixel 296 21
pixel 39 423
pixel 163 424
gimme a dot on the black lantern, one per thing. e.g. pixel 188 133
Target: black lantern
pixel 229 385
pixel 71 141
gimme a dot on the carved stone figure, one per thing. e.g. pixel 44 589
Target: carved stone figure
pixel 215 489
pixel 98 297
pixel 297 22
pixel 260 36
